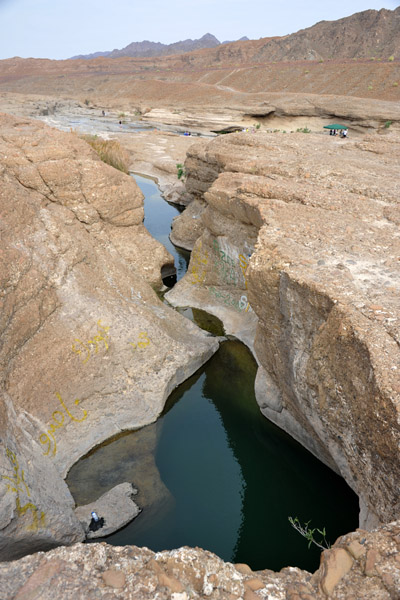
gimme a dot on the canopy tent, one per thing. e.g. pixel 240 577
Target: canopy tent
pixel 335 126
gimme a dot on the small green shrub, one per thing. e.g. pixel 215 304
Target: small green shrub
pixel 395 83
pixel 308 533
pixel 387 124
pixel 391 58
pixel 303 130
pixel 180 171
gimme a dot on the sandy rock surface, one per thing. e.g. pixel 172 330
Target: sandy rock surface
pixel 87 349
pixel 361 565
pixel 300 248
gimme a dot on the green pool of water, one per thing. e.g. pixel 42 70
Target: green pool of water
pixel 218 475
pixel 213 472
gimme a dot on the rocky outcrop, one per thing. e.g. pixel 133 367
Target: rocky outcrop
pixel 360 565
pixel 87 349
pixel 116 507
pixel 298 255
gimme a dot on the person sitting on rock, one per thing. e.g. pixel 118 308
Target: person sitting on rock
pixel 96 522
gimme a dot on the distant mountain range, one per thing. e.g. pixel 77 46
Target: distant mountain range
pixel 367 34
pixel 149 49
pixel 370 34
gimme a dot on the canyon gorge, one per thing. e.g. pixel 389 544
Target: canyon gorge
pixel 294 245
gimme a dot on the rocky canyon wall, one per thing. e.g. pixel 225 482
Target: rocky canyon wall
pixel 296 246
pixel 87 350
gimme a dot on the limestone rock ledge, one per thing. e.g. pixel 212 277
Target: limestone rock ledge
pixel 87 350
pixel 298 253
pixel 361 565
pixel 116 507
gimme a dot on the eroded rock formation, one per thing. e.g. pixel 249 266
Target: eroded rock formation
pixel 87 349
pixel 318 301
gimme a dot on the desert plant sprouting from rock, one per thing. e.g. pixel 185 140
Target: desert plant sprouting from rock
pixel 180 171
pixel 308 533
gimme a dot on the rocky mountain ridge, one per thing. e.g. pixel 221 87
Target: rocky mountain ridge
pixel 150 49
pixel 367 34
pixel 331 58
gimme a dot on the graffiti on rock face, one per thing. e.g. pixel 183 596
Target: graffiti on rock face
pixel 142 342
pixel 198 264
pixel 60 418
pixel 16 484
pixel 229 300
pixel 231 270
pixel 85 349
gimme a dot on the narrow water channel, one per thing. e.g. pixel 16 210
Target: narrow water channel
pixel 158 215
pixel 213 472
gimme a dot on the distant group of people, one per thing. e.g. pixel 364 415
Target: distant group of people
pixel 342 132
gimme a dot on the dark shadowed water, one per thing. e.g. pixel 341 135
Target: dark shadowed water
pixel 214 473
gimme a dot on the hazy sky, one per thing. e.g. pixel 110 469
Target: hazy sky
pixel 63 28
